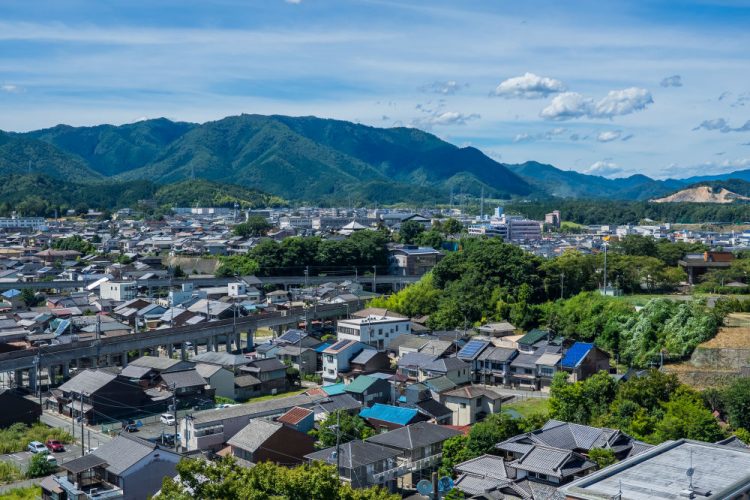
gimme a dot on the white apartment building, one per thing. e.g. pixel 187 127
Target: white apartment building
pixel 376 331
pixel 36 223
pixel 118 290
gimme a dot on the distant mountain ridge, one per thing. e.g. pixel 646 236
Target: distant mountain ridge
pixel 302 158
pixel 308 159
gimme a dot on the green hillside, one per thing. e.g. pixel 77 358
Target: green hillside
pixel 300 158
pixel 572 184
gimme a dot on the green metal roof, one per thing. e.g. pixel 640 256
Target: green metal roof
pixel 533 336
pixel 361 384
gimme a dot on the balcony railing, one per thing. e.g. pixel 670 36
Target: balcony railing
pixel 406 466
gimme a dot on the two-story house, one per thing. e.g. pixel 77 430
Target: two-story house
pixel 263 440
pixel 337 358
pixel 361 463
pixel 420 448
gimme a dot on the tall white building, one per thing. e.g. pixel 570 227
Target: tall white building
pixel 376 331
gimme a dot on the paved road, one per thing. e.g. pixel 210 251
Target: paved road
pixel 90 433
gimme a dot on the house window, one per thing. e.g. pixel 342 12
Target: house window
pixel 463 405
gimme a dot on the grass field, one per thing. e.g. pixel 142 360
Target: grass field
pixel 27 493
pixel 275 396
pixel 525 407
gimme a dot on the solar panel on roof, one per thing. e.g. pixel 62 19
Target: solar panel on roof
pixel 339 345
pixel 471 348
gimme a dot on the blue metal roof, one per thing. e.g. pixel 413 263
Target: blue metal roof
pixel 575 354
pixel 322 347
pixel 11 293
pixel 389 413
pixel 334 389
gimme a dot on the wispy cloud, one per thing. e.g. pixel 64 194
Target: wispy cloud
pixel 722 125
pixel 542 136
pixel 528 86
pixel 609 135
pixel 10 89
pixel 671 81
pixel 604 168
pixel 445 88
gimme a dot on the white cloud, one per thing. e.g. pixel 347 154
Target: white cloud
pixel 10 89
pixel 295 2
pixel 542 136
pixel 722 125
pixel 671 81
pixel 676 170
pixel 440 118
pixel 529 86
pixel 603 168
pixel 609 135
pixel 446 88
pixel 569 105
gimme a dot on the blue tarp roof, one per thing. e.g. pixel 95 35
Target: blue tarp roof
pixel 389 413
pixel 11 293
pixel 575 354
pixel 334 389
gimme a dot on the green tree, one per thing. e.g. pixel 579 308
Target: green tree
pixel 29 297
pixel 736 402
pixel 454 453
pixel 451 226
pixel 410 231
pixel 254 226
pixel 602 456
pixel 351 427
pixel 39 466
pixel 686 416
pixel 432 238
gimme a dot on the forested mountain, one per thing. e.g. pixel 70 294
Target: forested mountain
pixel 572 184
pixel 305 158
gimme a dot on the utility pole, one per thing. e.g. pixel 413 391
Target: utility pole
pixel 83 451
pixel 307 273
pixel 338 442
pixel 374 278
pixel 174 410
pixel 605 245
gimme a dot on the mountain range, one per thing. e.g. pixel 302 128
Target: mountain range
pixel 305 159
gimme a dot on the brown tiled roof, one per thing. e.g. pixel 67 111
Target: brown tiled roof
pixel 294 416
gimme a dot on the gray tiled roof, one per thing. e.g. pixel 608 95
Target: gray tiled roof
pixel 414 436
pixel 88 381
pixel 416 359
pixel 499 354
pixel 253 435
pixel 444 365
pixel 155 362
pixel 221 358
pixel 552 462
pixel 355 454
pixel 486 465
pixel 124 451
pixel 268 407
pixel 186 378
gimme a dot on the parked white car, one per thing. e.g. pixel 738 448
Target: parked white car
pixel 167 419
pixel 37 447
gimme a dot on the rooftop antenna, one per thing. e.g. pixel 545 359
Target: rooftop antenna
pixel 690 471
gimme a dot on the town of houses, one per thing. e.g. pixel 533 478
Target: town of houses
pixel 416 388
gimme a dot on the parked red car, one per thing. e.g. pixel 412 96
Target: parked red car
pixel 55 445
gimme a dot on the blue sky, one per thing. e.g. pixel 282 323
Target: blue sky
pixel 613 88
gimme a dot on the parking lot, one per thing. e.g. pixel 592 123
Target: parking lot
pixel 22 458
